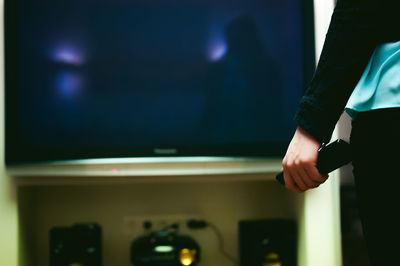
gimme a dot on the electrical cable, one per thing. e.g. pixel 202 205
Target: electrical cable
pixel 222 244
pixel 197 224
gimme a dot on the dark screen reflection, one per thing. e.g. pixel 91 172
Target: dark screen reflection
pixel 244 89
pixel 125 74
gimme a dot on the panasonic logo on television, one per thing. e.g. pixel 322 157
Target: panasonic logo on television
pixel 165 151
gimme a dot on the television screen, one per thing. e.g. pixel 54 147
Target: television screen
pixel 123 78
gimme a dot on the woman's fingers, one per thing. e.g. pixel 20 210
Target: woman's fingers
pixel 299 175
pixel 289 182
pixel 306 178
pixel 315 175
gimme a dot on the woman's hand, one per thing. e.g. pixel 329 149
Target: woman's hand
pixel 300 163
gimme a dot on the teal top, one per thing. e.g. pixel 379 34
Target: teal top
pixel 379 86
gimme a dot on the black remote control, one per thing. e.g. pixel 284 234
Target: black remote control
pixel 330 157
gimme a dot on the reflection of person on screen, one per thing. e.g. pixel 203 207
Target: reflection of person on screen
pixel 243 99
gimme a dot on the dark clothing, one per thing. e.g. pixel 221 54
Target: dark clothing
pixel 356 28
pixel 375 143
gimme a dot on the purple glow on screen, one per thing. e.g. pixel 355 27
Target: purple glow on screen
pixel 69 55
pixel 69 83
pixel 217 51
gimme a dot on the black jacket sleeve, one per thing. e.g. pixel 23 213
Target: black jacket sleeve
pixel 356 28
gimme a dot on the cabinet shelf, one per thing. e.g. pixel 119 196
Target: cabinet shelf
pixel 130 170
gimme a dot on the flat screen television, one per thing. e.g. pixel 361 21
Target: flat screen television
pixel 146 78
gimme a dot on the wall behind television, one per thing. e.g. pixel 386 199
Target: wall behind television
pixel 8 203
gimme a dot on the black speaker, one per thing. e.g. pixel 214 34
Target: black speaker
pixel 270 242
pixel 165 248
pixel 79 244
